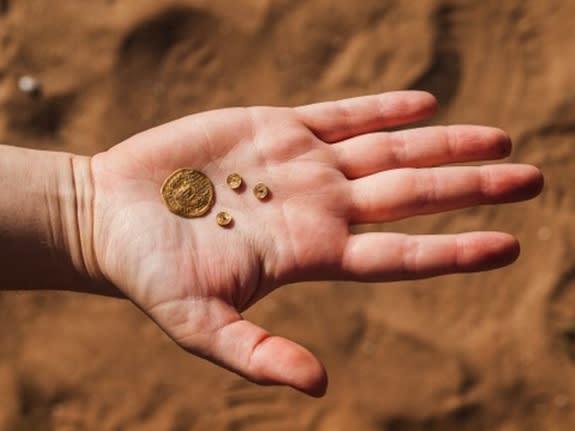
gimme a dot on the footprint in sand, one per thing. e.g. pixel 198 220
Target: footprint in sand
pixel 166 62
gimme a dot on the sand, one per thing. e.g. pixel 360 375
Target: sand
pixel 493 351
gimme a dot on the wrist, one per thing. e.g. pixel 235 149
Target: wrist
pixel 77 195
pixel 46 222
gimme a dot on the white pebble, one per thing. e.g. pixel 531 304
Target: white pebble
pixel 29 84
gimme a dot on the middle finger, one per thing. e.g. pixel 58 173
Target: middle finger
pixel 422 147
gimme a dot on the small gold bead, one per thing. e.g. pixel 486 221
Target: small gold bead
pixel 224 219
pixel 234 181
pixel 261 191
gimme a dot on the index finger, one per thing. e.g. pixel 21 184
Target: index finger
pixel 342 119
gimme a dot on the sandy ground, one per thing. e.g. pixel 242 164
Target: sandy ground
pixel 476 352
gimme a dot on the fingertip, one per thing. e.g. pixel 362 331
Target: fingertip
pixel 281 361
pixel 514 182
pixel 532 181
pixel 424 96
pixel 494 142
pixel 297 367
pixel 503 142
pixel 538 180
pixel 316 385
pixel 306 373
pixel 494 250
pixel 515 251
pixel 509 249
pixel 427 99
pixel 429 103
pixel 479 142
pixel 417 104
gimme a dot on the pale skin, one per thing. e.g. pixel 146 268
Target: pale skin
pixel 99 224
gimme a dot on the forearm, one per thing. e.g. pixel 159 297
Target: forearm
pixel 45 223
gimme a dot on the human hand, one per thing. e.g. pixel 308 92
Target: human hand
pixel 328 168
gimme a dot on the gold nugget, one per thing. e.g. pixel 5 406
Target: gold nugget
pixel 234 181
pixel 261 191
pixel 188 193
pixel 224 219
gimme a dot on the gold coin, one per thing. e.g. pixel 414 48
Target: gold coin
pixel 188 193
pixel 223 218
pixel 261 191
pixel 234 181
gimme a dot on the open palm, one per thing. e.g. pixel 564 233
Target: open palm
pixel 328 167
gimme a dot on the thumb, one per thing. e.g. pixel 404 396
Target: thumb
pixel 260 357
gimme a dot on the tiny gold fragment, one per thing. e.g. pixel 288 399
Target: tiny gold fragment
pixel 188 193
pixel 261 191
pixel 234 181
pixel 224 219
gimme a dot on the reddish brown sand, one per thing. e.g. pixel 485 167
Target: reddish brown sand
pixel 494 351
